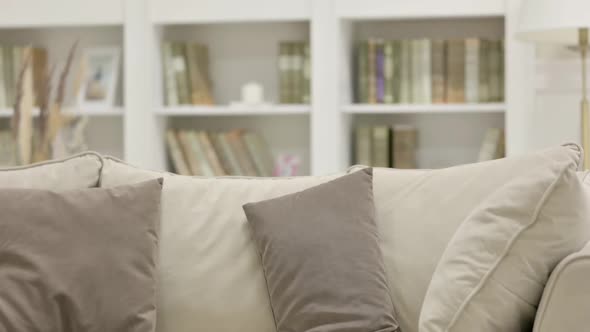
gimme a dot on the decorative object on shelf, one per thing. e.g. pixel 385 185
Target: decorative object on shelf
pixel 186 74
pixel 563 22
pixel 33 144
pixel 294 72
pixel 287 165
pixel 100 71
pixel 423 71
pixel 235 152
pixel 386 146
pixel 11 60
pixel 252 96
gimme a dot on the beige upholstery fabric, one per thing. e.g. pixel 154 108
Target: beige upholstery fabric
pixel 79 261
pixel 321 257
pixel 566 298
pixel 418 211
pixel 493 272
pixel 80 171
pixel 211 278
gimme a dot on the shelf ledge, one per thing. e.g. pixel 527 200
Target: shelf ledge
pixel 94 112
pixel 423 108
pixel 219 110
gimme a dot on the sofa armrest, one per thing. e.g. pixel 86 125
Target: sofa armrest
pixel 566 299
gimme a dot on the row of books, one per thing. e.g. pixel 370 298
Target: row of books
pixel 186 74
pixel 235 152
pixel 12 59
pixel 294 72
pixel 386 146
pixel 424 71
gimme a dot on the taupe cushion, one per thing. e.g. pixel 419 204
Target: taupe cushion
pixel 210 277
pixel 493 272
pixel 321 258
pixel 76 172
pixel 81 260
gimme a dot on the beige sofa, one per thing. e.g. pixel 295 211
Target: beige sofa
pixel 210 274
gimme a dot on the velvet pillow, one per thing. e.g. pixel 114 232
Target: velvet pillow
pixel 81 260
pixel 321 258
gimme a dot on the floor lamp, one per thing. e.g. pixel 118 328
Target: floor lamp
pixel 564 22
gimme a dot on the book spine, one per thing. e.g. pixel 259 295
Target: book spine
pixel 502 74
pixel 298 73
pixel 176 155
pixel 381 149
pixel 230 156
pixel 380 74
pixel 372 72
pixel 456 72
pixel 244 158
pixel 200 153
pixel 363 146
pixel 438 71
pixel 404 147
pixel 210 153
pixel 396 78
pixel 9 80
pixel 197 81
pixel 388 70
pixel 426 70
pixel 181 73
pixel 306 75
pixel 495 67
pixel 417 76
pixel 484 71
pixel 283 73
pixel 406 72
pixel 3 102
pixel 472 70
pixel 363 72
pixel 169 75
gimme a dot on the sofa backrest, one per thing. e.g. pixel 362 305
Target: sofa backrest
pixel 76 172
pixel 211 276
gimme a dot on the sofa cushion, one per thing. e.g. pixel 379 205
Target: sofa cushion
pixel 211 278
pixel 79 260
pixel 321 258
pixel 418 211
pixel 493 271
pixel 76 172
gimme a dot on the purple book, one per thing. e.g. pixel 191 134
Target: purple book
pixel 380 74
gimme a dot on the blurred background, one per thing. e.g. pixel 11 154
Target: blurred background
pixel 279 87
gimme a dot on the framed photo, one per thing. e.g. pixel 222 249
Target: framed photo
pixel 100 70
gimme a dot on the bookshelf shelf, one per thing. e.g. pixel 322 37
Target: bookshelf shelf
pixel 424 108
pixel 192 110
pixel 92 112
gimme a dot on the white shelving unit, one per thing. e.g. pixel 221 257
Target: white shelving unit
pixel 243 37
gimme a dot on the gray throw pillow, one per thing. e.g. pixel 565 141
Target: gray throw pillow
pixel 321 258
pixel 81 260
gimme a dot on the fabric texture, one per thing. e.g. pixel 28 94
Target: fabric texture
pixel 321 258
pixel 419 211
pixel 76 172
pixel 492 274
pixel 81 260
pixel 210 275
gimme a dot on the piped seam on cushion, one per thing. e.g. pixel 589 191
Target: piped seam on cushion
pixel 557 273
pixel 488 274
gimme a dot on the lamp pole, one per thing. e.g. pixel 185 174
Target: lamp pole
pixel 583 43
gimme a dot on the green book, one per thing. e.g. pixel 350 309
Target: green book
pixel 495 67
pixel 502 72
pixel 297 68
pixel 199 151
pixel 484 71
pixel 363 146
pixel 169 75
pixel 438 71
pixel 229 159
pixel 388 71
pixel 200 92
pixel 362 64
pixel 284 64
pixel 181 72
pixel 396 86
pixel 372 72
pixel 381 146
pixel 306 74
pixel 406 71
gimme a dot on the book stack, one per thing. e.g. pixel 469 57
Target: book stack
pixel 12 59
pixel 186 74
pixel 294 72
pixel 424 71
pixel 385 146
pixel 235 152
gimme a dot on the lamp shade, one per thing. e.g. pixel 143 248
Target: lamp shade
pixel 554 21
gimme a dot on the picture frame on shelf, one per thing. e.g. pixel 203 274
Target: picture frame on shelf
pixel 100 74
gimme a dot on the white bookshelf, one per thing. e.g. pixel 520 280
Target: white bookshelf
pixel 243 37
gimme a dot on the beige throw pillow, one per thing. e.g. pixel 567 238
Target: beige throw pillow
pixel 493 272
pixel 321 258
pixel 78 261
